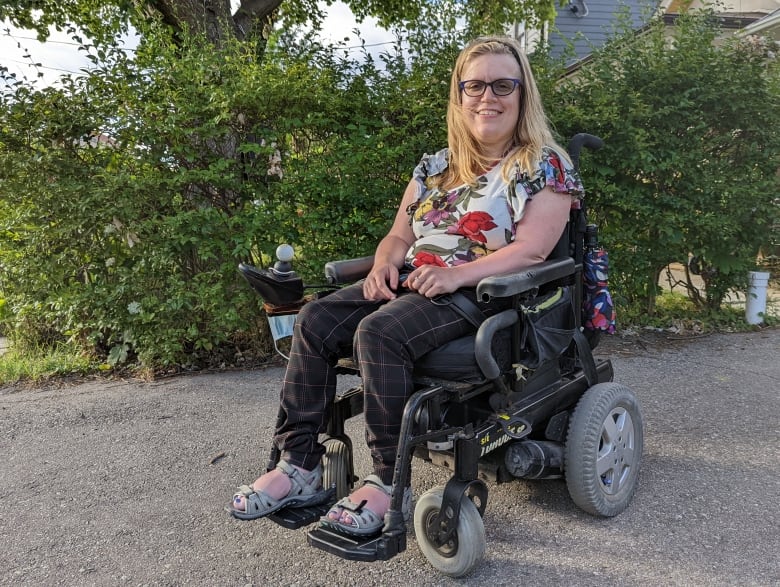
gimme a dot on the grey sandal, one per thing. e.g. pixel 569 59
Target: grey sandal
pixel 365 522
pixel 306 490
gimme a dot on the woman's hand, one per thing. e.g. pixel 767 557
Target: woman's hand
pixel 431 281
pixel 381 282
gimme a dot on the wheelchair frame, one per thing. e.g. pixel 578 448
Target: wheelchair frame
pixel 559 412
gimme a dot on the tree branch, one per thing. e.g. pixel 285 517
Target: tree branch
pixel 252 11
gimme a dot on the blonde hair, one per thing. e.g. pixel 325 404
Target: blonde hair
pixel 532 132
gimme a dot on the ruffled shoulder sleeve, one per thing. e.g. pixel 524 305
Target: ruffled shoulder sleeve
pixel 554 171
pixel 429 166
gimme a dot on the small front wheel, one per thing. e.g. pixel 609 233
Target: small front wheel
pixel 604 449
pixel 466 547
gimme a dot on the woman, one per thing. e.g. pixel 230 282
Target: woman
pixel 495 201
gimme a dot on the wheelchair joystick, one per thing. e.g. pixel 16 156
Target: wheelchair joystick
pixel 278 285
pixel 284 254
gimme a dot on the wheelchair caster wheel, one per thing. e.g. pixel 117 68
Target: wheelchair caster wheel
pixel 467 547
pixel 336 467
pixel 604 449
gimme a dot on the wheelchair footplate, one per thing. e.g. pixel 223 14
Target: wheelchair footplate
pixel 294 517
pixel 379 547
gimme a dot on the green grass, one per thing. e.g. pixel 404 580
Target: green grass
pixel 37 365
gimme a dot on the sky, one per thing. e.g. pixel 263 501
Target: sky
pixel 19 49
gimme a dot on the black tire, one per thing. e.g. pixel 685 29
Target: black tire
pixel 459 556
pixel 604 449
pixel 336 467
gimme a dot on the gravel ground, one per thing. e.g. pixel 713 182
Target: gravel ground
pixel 124 483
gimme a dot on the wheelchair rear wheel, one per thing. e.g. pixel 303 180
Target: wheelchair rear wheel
pixel 604 449
pixel 336 469
pixel 467 547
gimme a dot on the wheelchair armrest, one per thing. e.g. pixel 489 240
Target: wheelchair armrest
pixel 348 270
pixel 484 341
pixel 504 286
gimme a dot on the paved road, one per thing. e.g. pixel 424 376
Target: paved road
pixel 118 483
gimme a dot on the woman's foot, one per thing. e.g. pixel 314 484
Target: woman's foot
pixel 370 496
pixel 285 486
pixel 276 484
pixel 363 512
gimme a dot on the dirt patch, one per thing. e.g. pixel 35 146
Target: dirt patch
pixel 650 340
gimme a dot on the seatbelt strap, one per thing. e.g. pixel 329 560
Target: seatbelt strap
pixel 587 362
pixel 466 308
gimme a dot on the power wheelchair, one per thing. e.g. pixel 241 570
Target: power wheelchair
pixel 524 399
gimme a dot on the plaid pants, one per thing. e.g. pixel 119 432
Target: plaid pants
pixel 386 338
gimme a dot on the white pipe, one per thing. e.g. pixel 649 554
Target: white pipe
pixel 755 305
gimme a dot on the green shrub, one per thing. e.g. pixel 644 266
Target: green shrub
pixel 130 194
pixel 691 153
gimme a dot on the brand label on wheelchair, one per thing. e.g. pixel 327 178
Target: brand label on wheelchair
pixel 501 438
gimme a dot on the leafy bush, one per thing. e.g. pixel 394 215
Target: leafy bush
pixel 351 153
pixel 130 194
pixel 691 154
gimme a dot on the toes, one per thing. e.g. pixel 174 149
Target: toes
pixel 340 516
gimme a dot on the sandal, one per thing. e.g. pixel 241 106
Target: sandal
pixel 306 490
pixel 365 522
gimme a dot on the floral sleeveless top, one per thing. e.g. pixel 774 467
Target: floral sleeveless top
pixel 468 222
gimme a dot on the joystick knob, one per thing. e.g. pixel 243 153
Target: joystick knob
pixel 285 254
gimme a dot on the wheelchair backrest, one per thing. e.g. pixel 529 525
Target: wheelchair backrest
pixel 572 241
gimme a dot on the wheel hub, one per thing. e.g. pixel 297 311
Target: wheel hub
pixel 447 549
pixel 616 450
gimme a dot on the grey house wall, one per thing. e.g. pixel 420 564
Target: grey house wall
pixel 593 23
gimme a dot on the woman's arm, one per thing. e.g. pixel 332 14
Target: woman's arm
pixel 391 252
pixel 538 231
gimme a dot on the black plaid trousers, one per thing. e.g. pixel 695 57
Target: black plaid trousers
pixel 386 338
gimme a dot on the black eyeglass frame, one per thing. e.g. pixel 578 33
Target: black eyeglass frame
pixel 515 83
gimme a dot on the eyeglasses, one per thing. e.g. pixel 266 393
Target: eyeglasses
pixel 500 87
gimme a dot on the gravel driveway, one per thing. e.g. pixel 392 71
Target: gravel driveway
pixel 124 483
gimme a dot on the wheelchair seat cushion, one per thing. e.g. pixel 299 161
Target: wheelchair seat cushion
pixel 455 360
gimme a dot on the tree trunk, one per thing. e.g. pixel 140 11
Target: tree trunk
pixel 213 19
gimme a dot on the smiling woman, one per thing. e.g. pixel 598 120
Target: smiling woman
pixel 493 202
pixel 491 113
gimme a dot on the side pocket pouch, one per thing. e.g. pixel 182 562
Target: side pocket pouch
pixel 548 328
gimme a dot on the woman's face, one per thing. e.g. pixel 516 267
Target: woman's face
pixel 492 119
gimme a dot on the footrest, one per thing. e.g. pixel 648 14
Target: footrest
pixel 294 518
pixel 381 547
